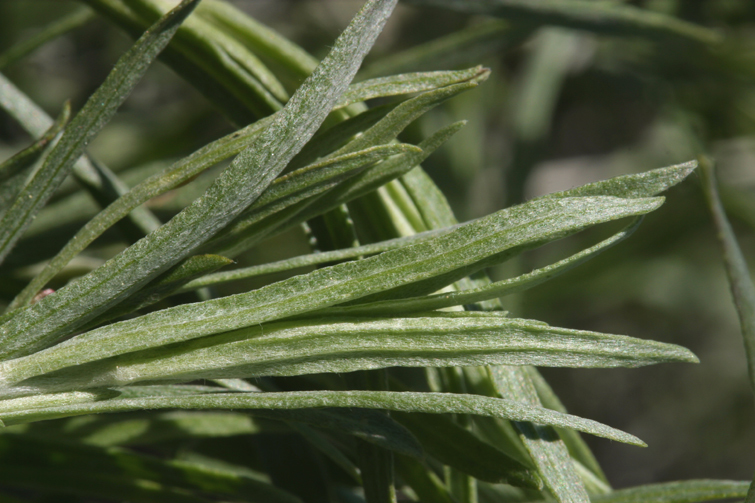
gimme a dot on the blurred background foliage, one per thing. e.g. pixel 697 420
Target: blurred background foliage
pixel 562 108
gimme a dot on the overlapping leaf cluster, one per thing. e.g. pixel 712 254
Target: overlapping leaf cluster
pixel 418 300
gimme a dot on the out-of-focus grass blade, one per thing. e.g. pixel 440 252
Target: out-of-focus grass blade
pixel 98 110
pixel 165 285
pixel 443 259
pixel 433 403
pixel 149 428
pixel 110 471
pixel 462 450
pixel 687 491
pixel 600 17
pixel 234 190
pixel 459 48
pixel 740 281
pixel 311 260
pixel 31 154
pixel 328 449
pixel 547 451
pixel 474 295
pixel 552 56
pixel 333 345
pixel 69 22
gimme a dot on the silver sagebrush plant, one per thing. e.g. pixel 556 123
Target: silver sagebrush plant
pixel 471 408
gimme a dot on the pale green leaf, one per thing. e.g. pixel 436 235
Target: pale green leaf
pixel 433 403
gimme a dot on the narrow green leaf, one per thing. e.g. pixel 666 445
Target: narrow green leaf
pixel 462 450
pixel 346 345
pixel 687 491
pixel 311 260
pixel 546 449
pixel 69 22
pixel 600 17
pixel 355 187
pixel 433 403
pixel 450 256
pixel 740 281
pixel 253 169
pixel 646 184
pixel 407 83
pixel 450 51
pixel 474 295
pixel 98 110
pixel 179 172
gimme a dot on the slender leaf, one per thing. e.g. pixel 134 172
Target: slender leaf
pixel 491 291
pixel 332 345
pixel 254 169
pixel 600 17
pixel 459 48
pixel 456 254
pixel 740 281
pixel 433 403
pixel 687 491
pixel 310 260
pixel 69 22
pixel 260 37
pixel 646 184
